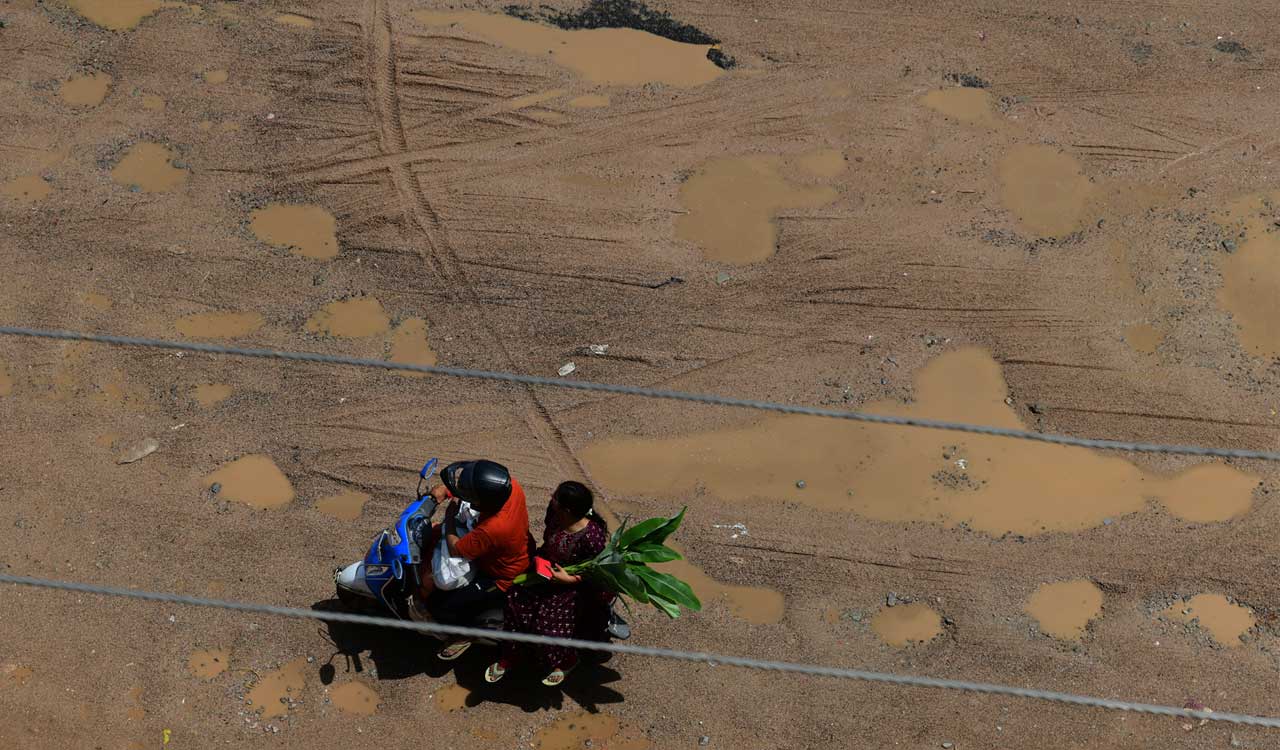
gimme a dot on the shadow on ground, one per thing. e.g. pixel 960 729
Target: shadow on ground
pixel 398 654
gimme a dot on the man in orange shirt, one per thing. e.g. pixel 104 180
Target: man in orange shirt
pixel 499 547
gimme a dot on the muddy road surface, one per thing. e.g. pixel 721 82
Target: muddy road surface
pixel 1023 214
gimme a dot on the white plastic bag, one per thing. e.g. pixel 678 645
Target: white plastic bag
pixel 454 572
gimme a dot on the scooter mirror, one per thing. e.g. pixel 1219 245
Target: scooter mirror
pixel 427 467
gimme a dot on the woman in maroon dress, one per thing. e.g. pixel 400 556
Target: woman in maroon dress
pixel 565 606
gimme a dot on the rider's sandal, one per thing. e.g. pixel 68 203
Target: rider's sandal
pixel 557 676
pixel 495 672
pixel 453 650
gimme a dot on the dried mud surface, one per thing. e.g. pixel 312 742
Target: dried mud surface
pixel 1091 219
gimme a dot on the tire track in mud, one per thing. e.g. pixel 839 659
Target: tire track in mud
pixel 384 103
pixel 379 40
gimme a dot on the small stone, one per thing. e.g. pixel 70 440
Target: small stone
pixel 948 745
pixel 1229 245
pixel 1036 408
pixel 891 600
pixel 704 740
pixel 723 277
pixel 215 488
pixel 138 451
pixel 311 660
pixel 1235 741
pixel 800 484
pixel 1108 521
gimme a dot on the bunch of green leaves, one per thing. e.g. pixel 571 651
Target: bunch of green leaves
pixel 623 566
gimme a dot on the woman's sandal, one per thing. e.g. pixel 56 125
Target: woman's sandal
pixel 557 676
pixel 495 672
pixel 453 650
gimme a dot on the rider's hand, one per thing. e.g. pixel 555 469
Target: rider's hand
pixel 439 493
pixel 558 574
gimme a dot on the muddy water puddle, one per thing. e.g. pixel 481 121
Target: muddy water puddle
pixel 354 698
pixel 85 90
pixel 1251 275
pixel 619 56
pixel 1063 609
pixel 1143 338
pixel 293 19
pixel 409 345
pixel 134 710
pixel 273 692
pixel 1044 189
pixel 254 480
pixel 1225 621
pixel 309 231
pixel 211 394
pixel 344 507
pixel 756 605
pixel 451 698
pixel 99 302
pixel 26 189
pixel 6 380
pixel 122 15
pixel 732 204
pixel 357 317
pixel 17 674
pixel 581 729
pixel 152 102
pixel 826 162
pixel 895 474
pixel 219 325
pixel 149 167
pixel 215 77
pixel 208 664
pixel 589 101
pixel 969 105
pixel 907 624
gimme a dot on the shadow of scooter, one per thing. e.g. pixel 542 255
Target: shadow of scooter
pixel 399 654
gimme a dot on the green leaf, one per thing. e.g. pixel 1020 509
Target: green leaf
pixel 624 579
pixel 648 553
pixel 653 531
pixel 670 608
pixel 667 586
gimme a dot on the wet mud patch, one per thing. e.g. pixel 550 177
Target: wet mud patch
pixel 133 708
pixel 354 698
pixel 17 674
pixel 149 167
pixel 309 231
pixel 616 56
pixel 211 394
pixel 589 101
pixel 253 480
pixel 1143 338
pixel 6 380
pixel 409 345
pixel 581 729
pixel 344 507
pixel 358 317
pixel 219 325
pixel 1045 189
pixel 969 105
pixel 275 692
pixel 87 90
pixel 295 20
pixel 887 473
pixel 1065 608
pixel 208 664
pixel 123 15
pixel 1224 620
pixel 1251 274
pixel 99 302
pixel 732 204
pixel 26 189
pixel 215 77
pixel 907 624
pixel 757 605
pixel 451 698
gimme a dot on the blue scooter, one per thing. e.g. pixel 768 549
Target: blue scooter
pixel 388 575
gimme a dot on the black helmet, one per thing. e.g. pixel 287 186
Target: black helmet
pixel 484 484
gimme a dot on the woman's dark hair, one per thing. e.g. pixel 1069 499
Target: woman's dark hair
pixel 576 500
